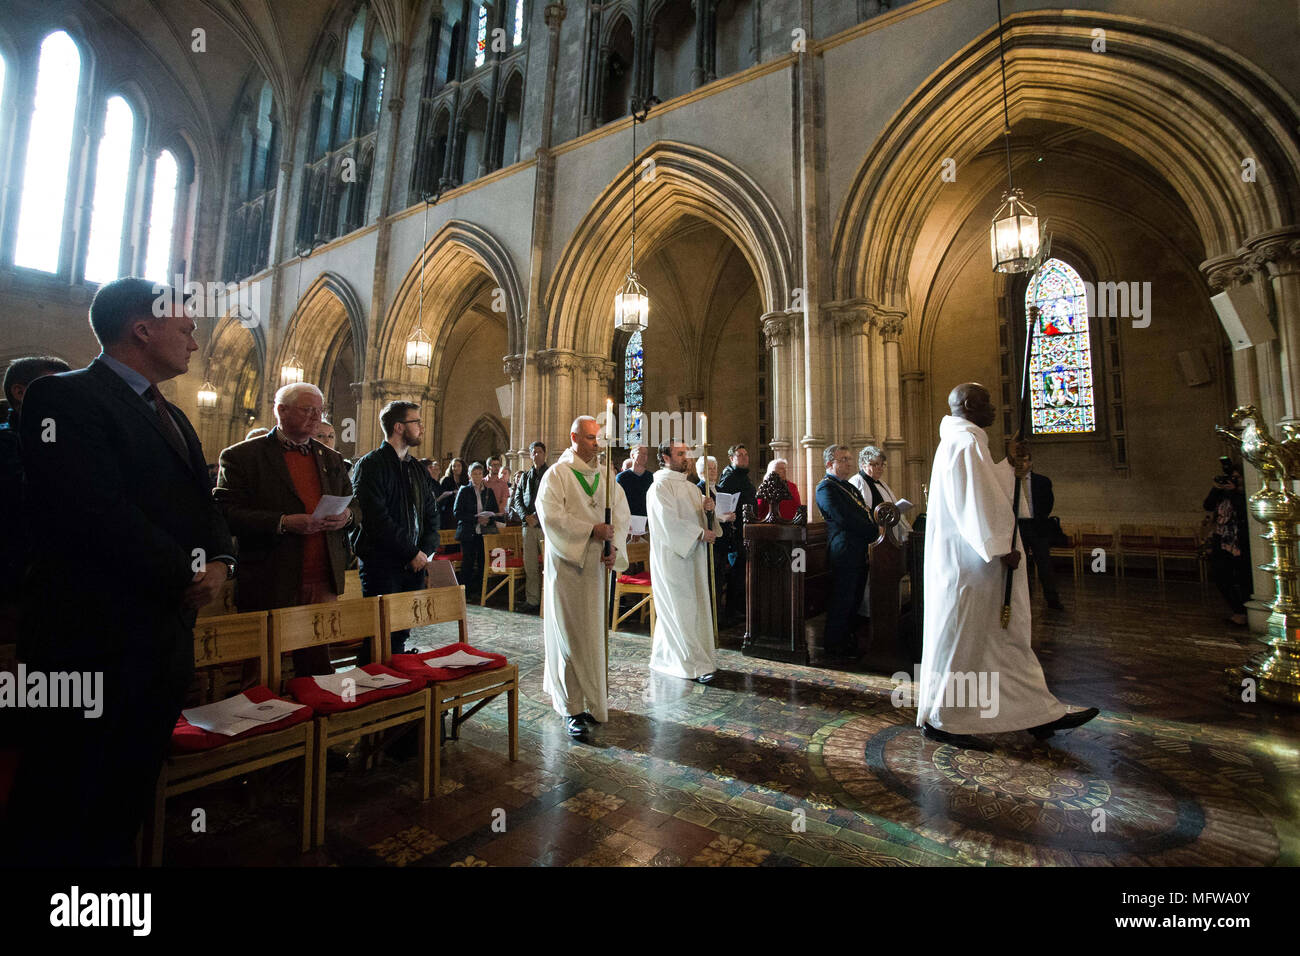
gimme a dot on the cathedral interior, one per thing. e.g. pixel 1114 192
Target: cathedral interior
pixel 804 188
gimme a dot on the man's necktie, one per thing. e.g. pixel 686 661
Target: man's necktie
pixel 169 426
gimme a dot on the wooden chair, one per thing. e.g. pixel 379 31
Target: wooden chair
pixel 635 584
pixel 337 621
pixel 351 586
pixel 434 606
pixel 448 548
pixel 1139 541
pixel 1070 551
pixel 218 641
pixel 502 558
pixel 1089 538
pixel 1180 544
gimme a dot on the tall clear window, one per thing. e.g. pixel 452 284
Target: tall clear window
pixel 1060 366
pixel 113 175
pixel 519 23
pixel 633 393
pixel 49 152
pixel 162 213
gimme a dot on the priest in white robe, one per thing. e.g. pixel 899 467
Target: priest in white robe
pixel 571 509
pixel 976 677
pixel 679 570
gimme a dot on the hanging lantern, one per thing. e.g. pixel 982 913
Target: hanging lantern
pixel 207 396
pixel 291 372
pixel 1014 234
pixel 631 306
pixel 419 350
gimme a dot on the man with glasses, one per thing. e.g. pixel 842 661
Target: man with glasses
pixel 849 529
pixel 269 488
pixel 400 503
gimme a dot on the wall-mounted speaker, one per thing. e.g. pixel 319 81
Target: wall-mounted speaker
pixel 1242 316
pixel 505 395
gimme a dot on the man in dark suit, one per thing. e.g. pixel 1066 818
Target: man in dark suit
pixel 268 489
pixel 735 480
pixel 400 534
pixel 1036 503
pixel 114 473
pixel 849 530
pixel 472 501
pixel 523 507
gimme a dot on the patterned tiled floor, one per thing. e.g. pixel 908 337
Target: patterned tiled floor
pixel 781 765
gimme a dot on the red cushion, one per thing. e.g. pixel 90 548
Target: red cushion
pixel 412 665
pixel 447 557
pixel 309 692
pixel 641 577
pixel 510 563
pixel 186 738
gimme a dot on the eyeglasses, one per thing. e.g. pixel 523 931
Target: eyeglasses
pixel 311 411
pixel 409 421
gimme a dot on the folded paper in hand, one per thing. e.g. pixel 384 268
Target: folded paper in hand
pixel 726 502
pixel 331 505
pixel 636 524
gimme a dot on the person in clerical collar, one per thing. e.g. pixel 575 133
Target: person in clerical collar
pixel 849 530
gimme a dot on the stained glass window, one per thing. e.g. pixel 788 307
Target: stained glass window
pixel 1060 366
pixel 633 396
pixel 480 45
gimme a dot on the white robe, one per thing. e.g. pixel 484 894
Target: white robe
pixel 679 571
pixel 967 656
pixel 575 581
pixel 900 531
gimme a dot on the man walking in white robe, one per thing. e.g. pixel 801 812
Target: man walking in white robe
pixel 975 676
pixel 679 570
pixel 571 508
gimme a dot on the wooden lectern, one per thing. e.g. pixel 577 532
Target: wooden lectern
pixel 786 577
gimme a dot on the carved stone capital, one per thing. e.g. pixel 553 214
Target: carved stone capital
pixel 776 329
pixel 553 360
pixel 513 365
pixel 1274 253
pixel 554 15
pixel 1222 272
pixel 891 324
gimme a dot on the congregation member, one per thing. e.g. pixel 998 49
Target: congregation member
pixel 627 463
pixel 124 481
pixel 476 506
pixel 723 525
pixel 679 540
pixel 1037 529
pixel 870 482
pixel 257 432
pixel 735 480
pixel 13 542
pixel 268 489
pixel 968 547
pixel 457 475
pixel 497 479
pixel 523 508
pixel 571 509
pixel 400 533
pixel 636 481
pixel 1229 542
pixel 785 509
pixel 849 530
pixel 324 432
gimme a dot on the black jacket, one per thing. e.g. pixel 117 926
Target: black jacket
pixel 1040 493
pixel 849 527
pixel 735 480
pixel 466 509
pixel 143 515
pixel 523 500
pixel 399 504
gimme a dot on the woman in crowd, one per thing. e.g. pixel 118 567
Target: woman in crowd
pixel 785 509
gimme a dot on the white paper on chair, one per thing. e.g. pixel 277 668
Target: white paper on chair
pixel 459 659
pixel 231 716
pixel 726 501
pixel 331 505
pixel 270 710
pixel 360 681
pixel 636 524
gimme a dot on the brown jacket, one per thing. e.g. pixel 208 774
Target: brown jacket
pixel 253 490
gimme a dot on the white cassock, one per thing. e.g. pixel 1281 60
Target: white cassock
pixel 967 655
pixel 900 531
pixel 679 570
pixel 574 582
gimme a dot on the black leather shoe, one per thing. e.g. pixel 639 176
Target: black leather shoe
pixel 706 678
pixel 957 740
pixel 575 727
pixel 1071 720
pixel 587 719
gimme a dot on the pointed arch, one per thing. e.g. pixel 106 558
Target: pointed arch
pixel 328 305
pixel 460 259
pixel 487 433
pixel 1227 108
pixel 687 180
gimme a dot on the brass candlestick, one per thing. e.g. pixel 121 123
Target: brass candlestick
pixel 1275 671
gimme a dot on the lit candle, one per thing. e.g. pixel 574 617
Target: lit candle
pixel 609 419
pixel 704 429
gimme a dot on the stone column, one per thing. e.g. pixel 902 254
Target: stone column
pixel 1275 257
pixel 853 325
pixel 517 451
pixel 776 336
pixel 891 332
pixel 915 443
pixel 556 367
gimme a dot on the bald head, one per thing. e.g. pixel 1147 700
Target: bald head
pixel 971 401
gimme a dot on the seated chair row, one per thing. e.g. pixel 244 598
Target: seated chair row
pixel 420 691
